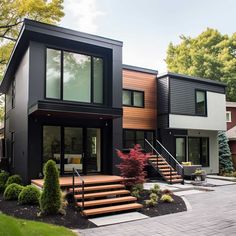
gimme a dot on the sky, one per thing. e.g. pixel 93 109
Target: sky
pixel 146 27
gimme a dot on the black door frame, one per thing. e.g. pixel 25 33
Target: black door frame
pixel 84 146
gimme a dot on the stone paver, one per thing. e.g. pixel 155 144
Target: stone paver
pixel 213 213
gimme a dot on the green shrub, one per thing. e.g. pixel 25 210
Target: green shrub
pixel 29 195
pixel 12 191
pixel 3 179
pixel 155 189
pixel 16 179
pixel 50 200
pixel 152 201
pixel 136 190
pixel 166 198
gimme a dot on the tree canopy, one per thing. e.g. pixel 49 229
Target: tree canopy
pixel 12 14
pixel 210 55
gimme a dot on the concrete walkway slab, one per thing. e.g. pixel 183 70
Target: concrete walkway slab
pixel 218 182
pixel 221 177
pixel 213 213
pixel 119 218
pixel 188 192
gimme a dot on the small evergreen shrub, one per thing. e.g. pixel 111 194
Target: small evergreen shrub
pixel 152 201
pixel 29 195
pixel 167 198
pixel 155 189
pixel 3 179
pixel 16 179
pixel 12 191
pixel 136 190
pixel 50 199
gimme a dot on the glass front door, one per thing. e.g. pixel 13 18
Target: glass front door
pixel 180 149
pixel 73 147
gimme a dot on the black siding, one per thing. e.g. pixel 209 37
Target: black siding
pixel 182 95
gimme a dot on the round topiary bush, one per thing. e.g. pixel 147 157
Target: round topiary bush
pixel 50 200
pixel 16 179
pixel 29 195
pixel 3 179
pixel 12 191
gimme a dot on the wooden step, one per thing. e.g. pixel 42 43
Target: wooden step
pixel 107 201
pixel 173 176
pixel 175 181
pixel 163 166
pixel 103 210
pixel 98 187
pixel 102 194
pixel 153 159
pixel 162 163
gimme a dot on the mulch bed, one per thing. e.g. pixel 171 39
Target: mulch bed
pixel 162 208
pixel 73 218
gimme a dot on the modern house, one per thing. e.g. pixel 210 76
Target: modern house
pixel 231 128
pixel 69 98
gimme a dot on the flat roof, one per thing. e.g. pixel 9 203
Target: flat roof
pixel 230 104
pixel 140 69
pixel 36 31
pixel 194 79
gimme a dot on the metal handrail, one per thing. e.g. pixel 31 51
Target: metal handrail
pixel 152 147
pixel 75 171
pixel 169 154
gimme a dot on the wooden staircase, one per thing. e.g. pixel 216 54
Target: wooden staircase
pixel 104 197
pixel 168 173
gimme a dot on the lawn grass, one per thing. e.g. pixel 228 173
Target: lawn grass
pixel 10 226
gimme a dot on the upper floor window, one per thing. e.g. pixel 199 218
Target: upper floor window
pixel 74 77
pixel 201 103
pixel 228 116
pixel 133 98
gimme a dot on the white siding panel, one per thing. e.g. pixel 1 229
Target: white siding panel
pixel 216 119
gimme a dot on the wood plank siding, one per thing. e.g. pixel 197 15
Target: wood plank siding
pixel 140 118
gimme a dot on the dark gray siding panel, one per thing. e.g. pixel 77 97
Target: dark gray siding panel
pixel 162 95
pixel 36 72
pixel 182 95
pixel 163 121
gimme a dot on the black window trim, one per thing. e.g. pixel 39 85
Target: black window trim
pixel 13 93
pixel 135 135
pixel 132 98
pixel 205 96
pixel 208 149
pixel 92 56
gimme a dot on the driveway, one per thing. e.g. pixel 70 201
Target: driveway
pixel 213 213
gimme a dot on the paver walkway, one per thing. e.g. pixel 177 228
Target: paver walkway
pixel 213 213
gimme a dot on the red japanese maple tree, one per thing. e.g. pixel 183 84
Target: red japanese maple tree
pixel 132 165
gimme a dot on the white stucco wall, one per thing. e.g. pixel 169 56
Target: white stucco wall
pixel 213 148
pixel 215 120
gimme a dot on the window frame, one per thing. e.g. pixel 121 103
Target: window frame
pixel 230 116
pixel 132 91
pixel 135 136
pixel 205 105
pixel 92 56
pixel 13 94
pixel 201 151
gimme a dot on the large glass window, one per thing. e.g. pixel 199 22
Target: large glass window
pixel 52 144
pixel 201 108
pixel 133 98
pixel 98 80
pixel 132 137
pixel 53 74
pixel 82 77
pixel 180 149
pixel 76 77
pixel 198 151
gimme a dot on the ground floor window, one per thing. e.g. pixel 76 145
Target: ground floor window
pixel 132 137
pixel 193 149
pixel 73 147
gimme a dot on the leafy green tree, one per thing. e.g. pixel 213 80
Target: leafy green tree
pixel 50 200
pixel 225 159
pixel 210 55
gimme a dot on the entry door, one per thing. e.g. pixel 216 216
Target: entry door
pixel 82 150
pixel 180 149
